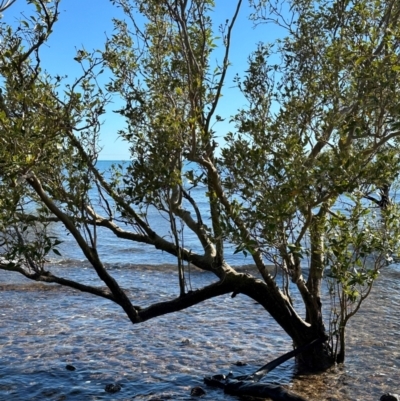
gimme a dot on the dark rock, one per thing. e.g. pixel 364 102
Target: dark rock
pixel 197 392
pixel 260 390
pixel 112 388
pixel 240 363
pixel 390 397
pixel 215 381
pixel 70 367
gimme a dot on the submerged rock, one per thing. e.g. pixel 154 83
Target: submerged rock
pixel 197 392
pixel 112 388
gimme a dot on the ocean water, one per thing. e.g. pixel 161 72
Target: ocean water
pixel 44 328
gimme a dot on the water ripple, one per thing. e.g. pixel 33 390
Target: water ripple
pixel 44 328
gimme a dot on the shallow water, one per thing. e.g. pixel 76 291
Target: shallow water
pixel 44 328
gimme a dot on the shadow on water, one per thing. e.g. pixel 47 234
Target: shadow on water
pixel 44 328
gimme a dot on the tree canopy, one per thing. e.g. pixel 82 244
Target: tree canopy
pixel 293 184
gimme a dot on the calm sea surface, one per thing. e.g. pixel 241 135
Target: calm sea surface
pixel 44 328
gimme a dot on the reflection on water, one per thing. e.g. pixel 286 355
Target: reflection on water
pixel 44 328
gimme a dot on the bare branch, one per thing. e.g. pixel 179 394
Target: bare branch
pixel 189 299
pixel 48 277
pixel 225 66
pixel 158 242
pixel 197 228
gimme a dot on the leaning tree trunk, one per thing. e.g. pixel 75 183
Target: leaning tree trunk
pixel 301 332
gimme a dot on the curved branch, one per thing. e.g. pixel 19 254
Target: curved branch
pixel 50 21
pixel 47 277
pixel 197 228
pixel 200 261
pixel 90 253
pixel 189 299
pixel 187 196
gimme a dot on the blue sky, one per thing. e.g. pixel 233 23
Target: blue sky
pixel 85 23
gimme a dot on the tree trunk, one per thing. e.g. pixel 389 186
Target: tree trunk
pixel 320 357
pixel 342 344
pixel 301 332
pixel 317 359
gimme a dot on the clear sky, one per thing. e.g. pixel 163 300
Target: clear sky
pixel 85 23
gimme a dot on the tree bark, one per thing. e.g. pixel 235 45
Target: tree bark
pixel 301 332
